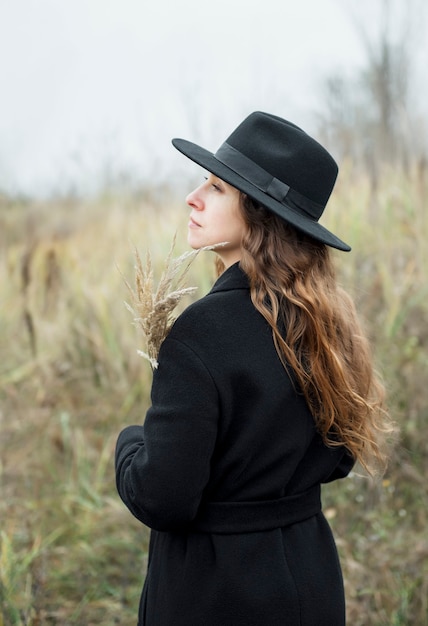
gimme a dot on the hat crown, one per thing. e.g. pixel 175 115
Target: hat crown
pixel 288 153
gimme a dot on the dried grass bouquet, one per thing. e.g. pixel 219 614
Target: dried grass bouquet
pixel 152 306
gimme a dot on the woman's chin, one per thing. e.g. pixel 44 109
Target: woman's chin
pixel 194 242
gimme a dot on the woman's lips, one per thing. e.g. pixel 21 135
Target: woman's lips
pixel 193 224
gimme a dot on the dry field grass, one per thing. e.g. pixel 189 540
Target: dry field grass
pixel 70 378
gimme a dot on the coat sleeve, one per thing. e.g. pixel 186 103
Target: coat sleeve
pixel 343 468
pixel 163 466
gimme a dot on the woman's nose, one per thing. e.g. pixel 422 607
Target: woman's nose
pixel 194 199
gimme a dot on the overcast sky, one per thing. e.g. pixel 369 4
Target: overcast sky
pixel 92 85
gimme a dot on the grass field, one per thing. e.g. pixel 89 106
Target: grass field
pixel 70 378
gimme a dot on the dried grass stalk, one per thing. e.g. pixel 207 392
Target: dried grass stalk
pixel 152 306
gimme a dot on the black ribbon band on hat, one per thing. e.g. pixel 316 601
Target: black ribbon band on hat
pixel 260 178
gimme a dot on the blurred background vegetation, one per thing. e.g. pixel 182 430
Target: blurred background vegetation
pixel 70 376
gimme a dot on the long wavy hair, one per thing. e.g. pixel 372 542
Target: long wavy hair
pixel 316 331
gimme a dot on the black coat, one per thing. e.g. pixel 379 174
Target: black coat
pixel 226 471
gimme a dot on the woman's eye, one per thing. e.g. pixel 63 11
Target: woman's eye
pixel 214 185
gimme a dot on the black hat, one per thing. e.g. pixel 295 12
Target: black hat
pixel 278 165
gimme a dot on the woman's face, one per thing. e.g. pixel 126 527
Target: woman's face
pixel 216 218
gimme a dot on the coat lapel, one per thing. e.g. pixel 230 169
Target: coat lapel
pixel 233 278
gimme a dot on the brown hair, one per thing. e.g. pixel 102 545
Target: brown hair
pixel 317 332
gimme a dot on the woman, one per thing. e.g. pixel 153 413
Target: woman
pixel 265 389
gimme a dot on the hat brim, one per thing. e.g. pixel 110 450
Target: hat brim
pixel 208 161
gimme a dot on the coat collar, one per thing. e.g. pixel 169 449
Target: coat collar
pixel 233 278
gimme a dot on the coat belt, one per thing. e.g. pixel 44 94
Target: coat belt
pixel 247 517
